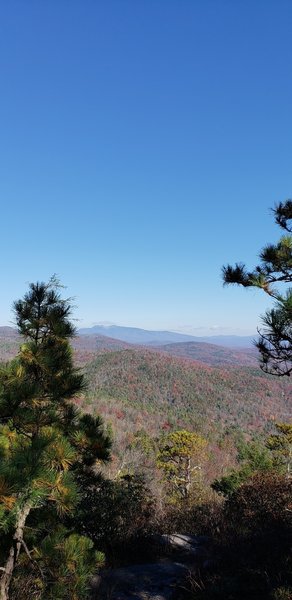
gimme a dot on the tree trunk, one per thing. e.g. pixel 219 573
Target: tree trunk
pixel 188 477
pixel 8 569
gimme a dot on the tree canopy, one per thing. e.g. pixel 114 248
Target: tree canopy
pixel 180 456
pixel 272 275
pixel 46 444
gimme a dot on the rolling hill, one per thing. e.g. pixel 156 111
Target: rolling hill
pixel 9 343
pixel 194 385
pixel 85 347
pixel 213 355
pixel 175 391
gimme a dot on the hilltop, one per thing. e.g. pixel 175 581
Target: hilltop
pixel 212 354
pixel 85 347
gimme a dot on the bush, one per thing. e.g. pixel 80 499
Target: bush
pixel 253 544
pixel 117 516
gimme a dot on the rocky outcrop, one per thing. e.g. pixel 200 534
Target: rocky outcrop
pixel 160 580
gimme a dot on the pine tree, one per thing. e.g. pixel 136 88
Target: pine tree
pixel 180 457
pixel 44 440
pixel 281 445
pixel 274 270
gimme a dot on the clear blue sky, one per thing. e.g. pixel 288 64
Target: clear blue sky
pixel 142 145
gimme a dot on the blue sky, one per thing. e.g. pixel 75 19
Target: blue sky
pixel 142 146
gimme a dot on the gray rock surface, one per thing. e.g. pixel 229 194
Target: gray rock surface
pixel 159 580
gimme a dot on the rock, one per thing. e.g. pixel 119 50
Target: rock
pixel 157 581
pixel 160 580
pixel 188 543
pixel 179 544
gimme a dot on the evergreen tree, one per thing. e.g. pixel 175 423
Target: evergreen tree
pixel 44 441
pixel 253 457
pixel 274 270
pixel 180 457
pixel 281 445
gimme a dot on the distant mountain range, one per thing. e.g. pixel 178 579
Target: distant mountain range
pixel 144 337
pixel 227 350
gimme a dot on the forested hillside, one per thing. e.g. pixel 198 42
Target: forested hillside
pixel 9 343
pixel 85 346
pixel 203 386
pixel 178 392
pixel 212 354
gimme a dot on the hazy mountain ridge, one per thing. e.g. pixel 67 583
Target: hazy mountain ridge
pixel 87 345
pixel 146 337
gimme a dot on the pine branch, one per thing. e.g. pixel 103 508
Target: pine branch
pixel 34 562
